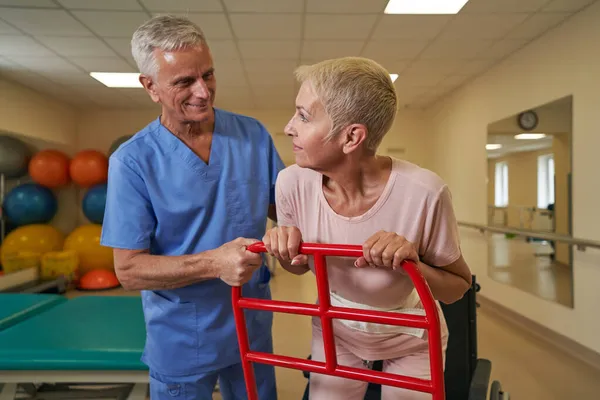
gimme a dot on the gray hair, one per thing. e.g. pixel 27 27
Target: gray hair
pixel 164 32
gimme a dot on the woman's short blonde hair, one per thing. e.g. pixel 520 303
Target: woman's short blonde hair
pixel 354 90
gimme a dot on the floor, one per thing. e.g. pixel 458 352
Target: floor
pixel 529 369
pixel 528 266
pixel 526 368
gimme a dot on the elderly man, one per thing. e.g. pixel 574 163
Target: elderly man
pixel 186 195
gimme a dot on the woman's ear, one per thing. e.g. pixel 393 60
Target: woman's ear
pixel 354 135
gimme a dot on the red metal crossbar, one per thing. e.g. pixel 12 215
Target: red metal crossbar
pixel 326 312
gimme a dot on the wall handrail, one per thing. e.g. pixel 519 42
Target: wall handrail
pixel 581 244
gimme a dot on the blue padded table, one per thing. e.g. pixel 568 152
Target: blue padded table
pixel 88 339
pixel 17 307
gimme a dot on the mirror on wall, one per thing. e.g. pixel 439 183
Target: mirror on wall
pixel 529 188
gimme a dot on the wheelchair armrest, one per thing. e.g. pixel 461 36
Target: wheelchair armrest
pixel 480 380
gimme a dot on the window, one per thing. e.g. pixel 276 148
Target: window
pixel 545 180
pixel 501 185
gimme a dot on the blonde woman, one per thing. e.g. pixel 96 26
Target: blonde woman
pixel 340 191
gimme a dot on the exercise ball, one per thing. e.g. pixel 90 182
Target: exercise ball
pixel 115 145
pixel 98 279
pixel 85 240
pixel 50 168
pixel 89 168
pixel 36 238
pixel 30 203
pixel 14 157
pixel 94 202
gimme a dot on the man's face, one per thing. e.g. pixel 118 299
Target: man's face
pixel 184 84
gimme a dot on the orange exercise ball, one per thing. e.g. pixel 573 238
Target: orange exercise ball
pixel 89 168
pixel 98 279
pixel 50 168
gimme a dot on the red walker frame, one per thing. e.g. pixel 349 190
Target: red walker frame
pixel 324 310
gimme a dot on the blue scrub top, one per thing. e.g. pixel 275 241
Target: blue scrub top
pixel 161 196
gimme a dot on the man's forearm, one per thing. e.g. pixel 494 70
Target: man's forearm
pixel 445 286
pixel 149 272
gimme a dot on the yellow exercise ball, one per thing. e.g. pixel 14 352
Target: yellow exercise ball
pixel 35 238
pixel 85 240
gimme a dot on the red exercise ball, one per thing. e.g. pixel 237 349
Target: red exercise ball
pixel 50 168
pixel 98 279
pixel 89 168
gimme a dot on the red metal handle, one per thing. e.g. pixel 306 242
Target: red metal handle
pixel 431 322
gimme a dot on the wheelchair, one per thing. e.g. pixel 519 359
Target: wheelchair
pixel 466 376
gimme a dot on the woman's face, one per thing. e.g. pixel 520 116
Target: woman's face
pixel 308 129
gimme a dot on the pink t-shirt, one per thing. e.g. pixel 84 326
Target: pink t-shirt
pixel 415 203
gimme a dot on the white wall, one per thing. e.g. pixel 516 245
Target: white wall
pixel 563 62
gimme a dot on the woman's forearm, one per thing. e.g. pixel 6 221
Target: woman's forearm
pixel 445 286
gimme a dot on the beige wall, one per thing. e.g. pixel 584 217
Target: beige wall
pixel 99 128
pixel 27 113
pixel 570 62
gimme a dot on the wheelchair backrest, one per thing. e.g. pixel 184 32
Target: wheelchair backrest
pixel 461 354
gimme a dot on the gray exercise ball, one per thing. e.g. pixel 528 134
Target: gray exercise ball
pixel 14 157
pixel 115 145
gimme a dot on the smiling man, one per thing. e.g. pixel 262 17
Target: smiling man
pixel 186 195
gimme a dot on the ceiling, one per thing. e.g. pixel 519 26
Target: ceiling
pixel 52 45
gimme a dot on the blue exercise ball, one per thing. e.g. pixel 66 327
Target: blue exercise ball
pixel 30 203
pixel 94 203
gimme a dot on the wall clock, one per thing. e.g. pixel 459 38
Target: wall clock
pixel 527 120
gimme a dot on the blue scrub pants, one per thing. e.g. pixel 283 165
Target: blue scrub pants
pixel 231 382
pixel 200 387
